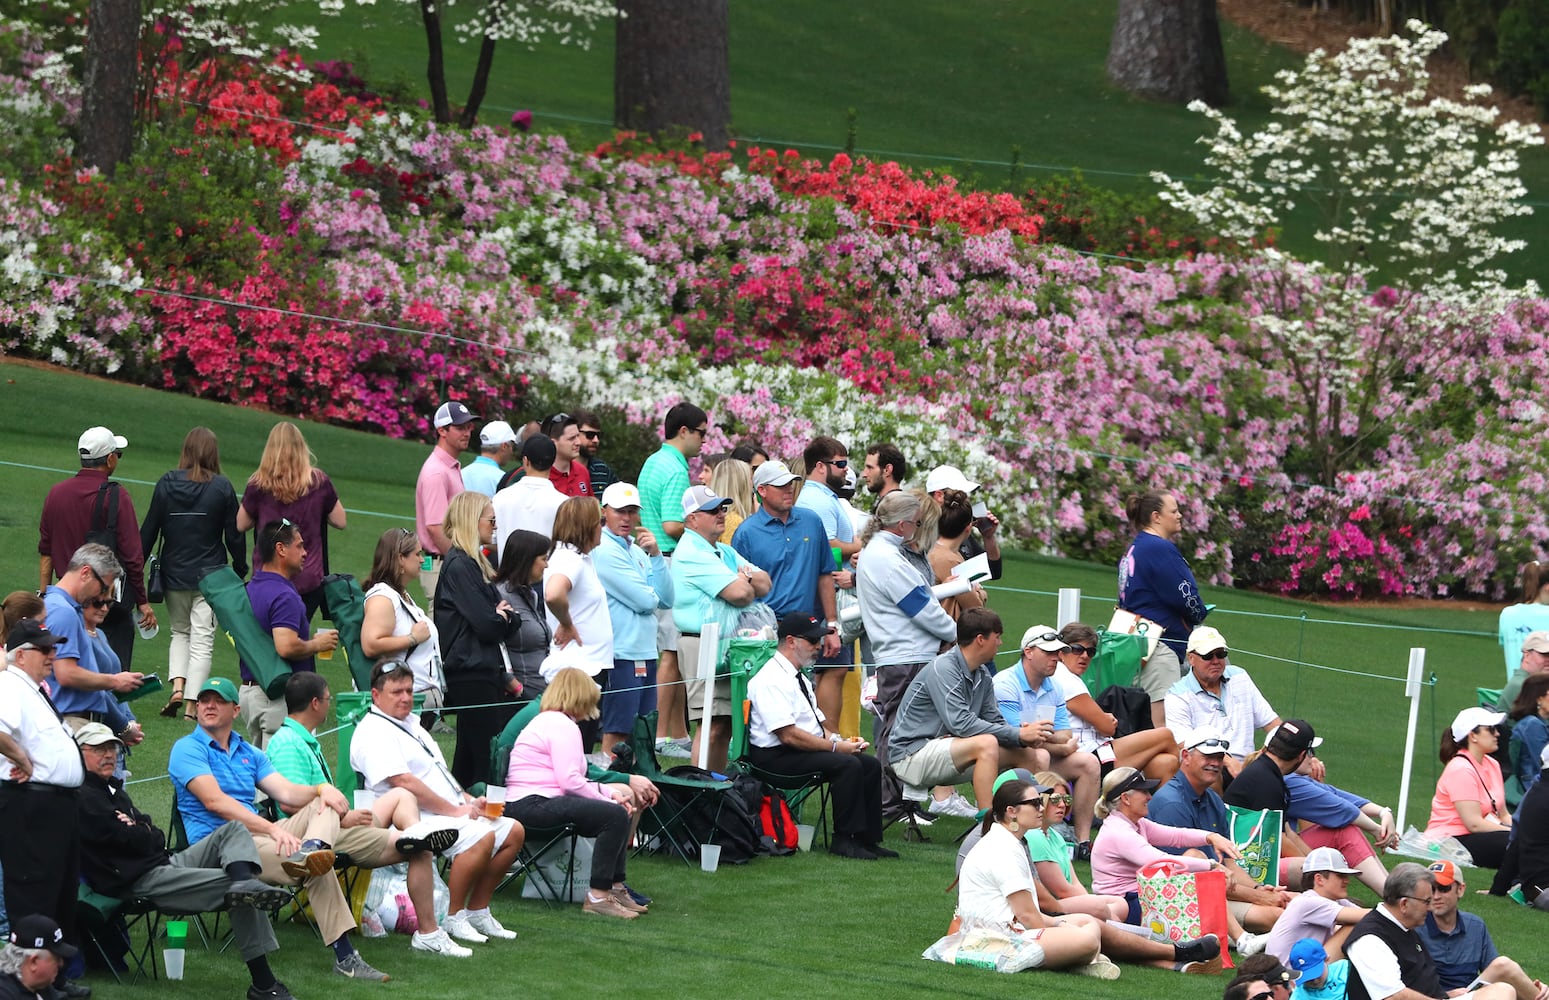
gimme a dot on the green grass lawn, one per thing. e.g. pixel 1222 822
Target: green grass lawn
pixel 935 84
pixel 777 927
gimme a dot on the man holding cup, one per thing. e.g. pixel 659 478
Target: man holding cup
pixel 391 750
pixel 279 609
pixel 1026 693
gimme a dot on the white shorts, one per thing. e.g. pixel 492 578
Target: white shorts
pixel 666 631
pixel 931 765
pixel 469 830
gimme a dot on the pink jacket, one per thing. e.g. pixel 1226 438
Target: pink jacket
pixel 1122 847
pixel 548 760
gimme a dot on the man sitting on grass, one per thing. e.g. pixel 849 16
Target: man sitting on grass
pixel 1460 943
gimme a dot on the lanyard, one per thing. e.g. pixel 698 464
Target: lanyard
pixel 398 727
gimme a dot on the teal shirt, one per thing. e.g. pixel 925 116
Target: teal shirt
pixel 297 755
pixel 663 481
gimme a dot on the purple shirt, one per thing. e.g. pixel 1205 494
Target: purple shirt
pixel 308 512
pixel 277 604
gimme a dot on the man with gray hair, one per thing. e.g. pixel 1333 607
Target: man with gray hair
pixel 907 625
pixel 1387 956
pixel 82 692
pixel 34 954
pixel 90 507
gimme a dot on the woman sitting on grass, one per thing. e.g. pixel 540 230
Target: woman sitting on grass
pixel 996 888
pixel 1051 858
pixel 1470 799
pixel 546 787
pixel 1154 751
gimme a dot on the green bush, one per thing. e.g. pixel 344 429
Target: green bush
pixel 1522 55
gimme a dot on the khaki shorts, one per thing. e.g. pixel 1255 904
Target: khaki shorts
pixel 694 688
pixel 1238 908
pixel 666 632
pixel 931 765
pixel 1160 672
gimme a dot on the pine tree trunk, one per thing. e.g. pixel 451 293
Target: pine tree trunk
pixel 107 104
pixel 671 69
pixel 1169 50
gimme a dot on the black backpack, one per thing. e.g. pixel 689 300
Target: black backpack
pixel 728 818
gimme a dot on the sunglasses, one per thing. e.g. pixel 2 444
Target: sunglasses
pixel 1036 803
pixel 591 435
pixel 839 463
pixel 702 431
pixel 1218 654
pixel 1266 995
pixel 1083 650
pixel 1056 800
pixel 100 603
pixel 1207 745
pixel 1045 637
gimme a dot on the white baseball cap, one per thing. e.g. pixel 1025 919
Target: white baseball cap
pixel 1472 718
pixel 948 477
pixel 1045 638
pixel 621 495
pixel 495 433
pixel 703 499
pixel 772 473
pixel 99 442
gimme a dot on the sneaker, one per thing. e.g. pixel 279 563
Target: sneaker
pixel 356 967
pixel 1200 951
pixel 623 898
pixel 639 897
pixel 276 992
pixel 1100 967
pixel 1081 851
pixel 457 925
pixel 1250 944
pixel 680 746
pixel 258 895
pixel 485 923
pixel 953 805
pixel 608 906
pixel 309 862
pixel 440 728
pixel 439 943
pixel 436 842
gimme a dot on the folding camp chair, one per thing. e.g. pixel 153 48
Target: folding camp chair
pixel 663 823
pixel 102 918
pixel 539 841
pixel 798 788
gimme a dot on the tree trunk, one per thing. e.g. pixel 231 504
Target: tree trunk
pixel 107 105
pixel 470 113
pixel 435 69
pixel 1169 50
pixel 671 68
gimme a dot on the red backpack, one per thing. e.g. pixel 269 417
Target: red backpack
pixel 779 825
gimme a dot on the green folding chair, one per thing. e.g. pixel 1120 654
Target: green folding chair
pixel 663 823
pixel 746 659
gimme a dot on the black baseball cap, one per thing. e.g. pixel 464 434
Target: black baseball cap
pixel 40 933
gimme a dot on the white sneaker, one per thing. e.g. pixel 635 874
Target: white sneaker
pixel 439 943
pixel 485 923
pixel 953 805
pixel 1251 944
pixel 458 925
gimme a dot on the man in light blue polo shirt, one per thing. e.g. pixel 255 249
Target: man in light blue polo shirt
pixel 82 693
pixel 497 449
pixel 827 464
pixel 1026 693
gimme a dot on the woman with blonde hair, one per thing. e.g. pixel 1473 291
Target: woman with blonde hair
pixel 287 487
pixel 1051 856
pixel 733 478
pixel 202 505
pixel 546 788
pixel 474 623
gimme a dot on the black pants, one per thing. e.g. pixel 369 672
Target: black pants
pixel 607 821
pixel 119 627
pixel 1488 849
pixel 892 681
pixel 40 846
pixel 855 780
pixel 476 727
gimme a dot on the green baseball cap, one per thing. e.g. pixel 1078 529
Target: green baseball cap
pixel 221 686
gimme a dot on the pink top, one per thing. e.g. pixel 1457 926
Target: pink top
pixel 441 479
pixel 548 760
pixel 1463 781
pixel 1122 847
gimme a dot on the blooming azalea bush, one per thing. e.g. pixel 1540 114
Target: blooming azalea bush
pixel 357 262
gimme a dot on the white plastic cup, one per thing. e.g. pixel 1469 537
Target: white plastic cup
pixel 326 654
pixel 148 633
pixel 804 832
pixel 494 801
pixel 1043 713
pixel 709 857
pixel 364 798
pixel 172 958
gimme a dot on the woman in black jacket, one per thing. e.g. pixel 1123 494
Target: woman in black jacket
pixel 194 510
pixel 474 624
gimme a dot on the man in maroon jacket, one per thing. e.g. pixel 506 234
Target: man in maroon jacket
pixel 83 505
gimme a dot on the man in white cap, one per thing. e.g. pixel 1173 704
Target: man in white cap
pixel 710 582
pixel 497 448
pixel 635 576
pixel 440 479
pixel 1324 912
pixel 986 525
pixel 1213 693
pixel 1026 693
pixel 91 507
pixel 791 543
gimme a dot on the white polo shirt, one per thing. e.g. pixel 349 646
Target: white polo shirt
pixel 778 701
pixel 383 747
pixel 27 717
pixel 530 504
pixel 1237 712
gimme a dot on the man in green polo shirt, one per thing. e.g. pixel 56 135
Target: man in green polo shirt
pixel 663 481
pixel 370 835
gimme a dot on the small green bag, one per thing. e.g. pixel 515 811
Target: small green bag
pixel 1256 832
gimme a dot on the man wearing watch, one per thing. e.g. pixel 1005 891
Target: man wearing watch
pixel 788 735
